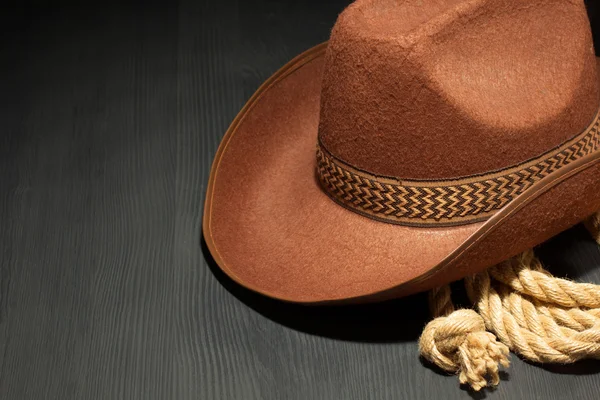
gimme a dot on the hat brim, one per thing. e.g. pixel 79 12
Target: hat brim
pixel 271 228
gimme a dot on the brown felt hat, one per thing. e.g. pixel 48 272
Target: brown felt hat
pixel 426 141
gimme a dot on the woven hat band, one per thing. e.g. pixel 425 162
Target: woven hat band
pixel 444 202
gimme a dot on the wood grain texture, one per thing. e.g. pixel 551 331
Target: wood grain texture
pixel 110 120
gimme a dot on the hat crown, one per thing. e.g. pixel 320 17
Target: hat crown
pixel 450 88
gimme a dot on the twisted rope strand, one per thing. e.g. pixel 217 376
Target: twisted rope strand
pixel 525 275
pixel 540 317
pixel 546 342
pixel 573 318
pixel 593 225
pixel 440 301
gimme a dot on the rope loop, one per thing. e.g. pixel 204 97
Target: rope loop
pixel 518 306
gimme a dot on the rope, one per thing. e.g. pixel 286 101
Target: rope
pixel 519 306
pixel 593 225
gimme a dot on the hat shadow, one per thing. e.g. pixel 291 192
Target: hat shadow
pixel 402 320
pixel 572 254
pixel 392 321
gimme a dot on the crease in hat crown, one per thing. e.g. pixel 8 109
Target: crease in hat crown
pixel 447 92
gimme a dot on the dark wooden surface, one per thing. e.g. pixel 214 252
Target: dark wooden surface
pixel 110 118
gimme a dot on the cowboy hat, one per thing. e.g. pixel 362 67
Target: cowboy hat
pixel 426 141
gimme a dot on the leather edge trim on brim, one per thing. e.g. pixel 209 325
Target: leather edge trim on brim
pixel 478 236
pixel 291 66
pixel 533 193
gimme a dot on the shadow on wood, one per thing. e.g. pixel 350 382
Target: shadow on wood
pixel 572 254
pixel 392 321
pixel 403 319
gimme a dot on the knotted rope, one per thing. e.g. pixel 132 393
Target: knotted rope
pixel 520 307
